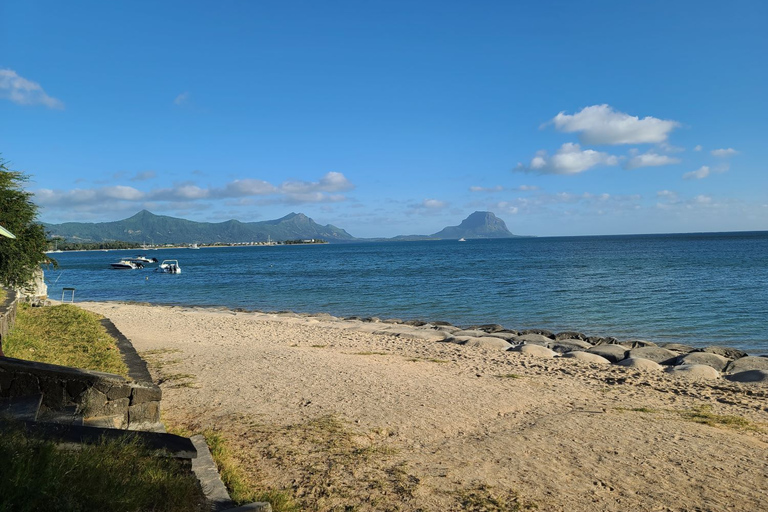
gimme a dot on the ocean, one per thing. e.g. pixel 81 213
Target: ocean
pixel 699 289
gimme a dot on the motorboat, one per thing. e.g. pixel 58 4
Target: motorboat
pixel 462 240
pixel 143 259
pixel 126 265
pixel 169 267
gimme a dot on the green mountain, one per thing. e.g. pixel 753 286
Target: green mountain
pixel 146 227
pixel 477 225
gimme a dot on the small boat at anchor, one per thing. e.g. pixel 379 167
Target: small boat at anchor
pixel 126 265
pixel 143 259
pixel 169 267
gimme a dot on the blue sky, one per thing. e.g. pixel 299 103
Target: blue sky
pixel 387 118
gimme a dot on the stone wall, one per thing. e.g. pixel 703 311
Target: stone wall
pixel 72 394
pixel 101 399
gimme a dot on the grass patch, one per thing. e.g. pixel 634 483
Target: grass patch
pixel 318 346
pixel 483 498
pixel 704 415
pixel 180 380
pixel 636 409
pixel 112 475
pixel 64 335
pixel 427 360
pixel 508 376
pixel 370 353
pixel 235 477
pixel 3 295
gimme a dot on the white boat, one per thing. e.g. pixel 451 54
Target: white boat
pixel 143 259
pixel 169 267
pixel 126 265
pixel 462 240
pixel 194 246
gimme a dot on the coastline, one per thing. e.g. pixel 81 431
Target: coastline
pixel 564 434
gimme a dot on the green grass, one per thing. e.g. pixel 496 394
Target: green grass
pixel 235 477
pixel 64 335
pixel 705 416
pixel 3 295
pixel 117 476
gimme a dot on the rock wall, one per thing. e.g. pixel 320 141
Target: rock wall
pixel 100 399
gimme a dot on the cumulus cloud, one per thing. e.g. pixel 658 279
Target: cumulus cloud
pixel 601 124
pixel 650 159
pixel 25 92
pixel 697 147
pixel 569 159
pixel 189 195
pixel 723 153
pixel 699 174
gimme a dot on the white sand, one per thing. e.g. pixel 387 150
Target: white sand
pixel 433 426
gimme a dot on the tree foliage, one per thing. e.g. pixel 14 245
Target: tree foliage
pixel 22 256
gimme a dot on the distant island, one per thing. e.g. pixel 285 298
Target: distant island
pixel 146 228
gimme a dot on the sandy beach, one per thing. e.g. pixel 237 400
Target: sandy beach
pixel 342 413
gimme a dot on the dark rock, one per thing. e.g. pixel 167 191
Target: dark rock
pixel 656 354
pixel 747 363
pixel 543 332
pixel 637 344
pixel 570 335
pixel 752 376
pixel 594 340
pixel 372 319
pixel 693 371
pixel 357 318
pixel 491 328
pixel 441 323
pixel 569 345
pixel 677 347
pixel 392 321
pixel 729 352
pixel 715 361
pixel 613 353
pixel 415 323
pixel 533 338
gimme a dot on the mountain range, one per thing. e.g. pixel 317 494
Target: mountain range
pixel 148 228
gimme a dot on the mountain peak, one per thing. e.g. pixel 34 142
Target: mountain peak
pixel 478 225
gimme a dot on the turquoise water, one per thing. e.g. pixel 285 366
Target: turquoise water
pixel 696 288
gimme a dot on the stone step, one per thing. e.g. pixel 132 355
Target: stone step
pixel 66 416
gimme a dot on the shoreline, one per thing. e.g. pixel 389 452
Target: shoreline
pixel 399 416
pixel 420 322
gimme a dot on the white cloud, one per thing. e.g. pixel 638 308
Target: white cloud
pixel 667 194
pixel 331 182
pixel 182 99
pixel 25 92
pixel 722 153
pixel 497 188
pixel 433 204
pixel 697 147
pixel 569 159
pixel 246 187
pixel 600 124
pixel 526 188
pixel 650 159
pixel 699 174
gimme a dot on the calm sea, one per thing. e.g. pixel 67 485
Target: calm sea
pixel 698 289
